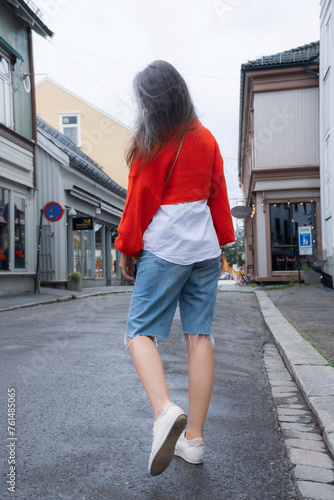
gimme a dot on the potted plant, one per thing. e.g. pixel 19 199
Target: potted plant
pixel 74 282
pixel 310 277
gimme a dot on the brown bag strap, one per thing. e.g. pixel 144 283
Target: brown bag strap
pixel 171 170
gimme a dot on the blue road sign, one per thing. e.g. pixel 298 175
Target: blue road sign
pixel 53 211
pixel 305 240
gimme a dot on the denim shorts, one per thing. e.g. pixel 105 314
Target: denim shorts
pixel 160 285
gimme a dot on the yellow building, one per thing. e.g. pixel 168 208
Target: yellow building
pixel 101 137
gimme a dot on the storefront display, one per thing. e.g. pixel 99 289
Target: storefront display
pixel 12 230
pixel 285 219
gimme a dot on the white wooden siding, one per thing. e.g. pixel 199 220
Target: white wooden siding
pixel 275 184
pixel 16 163
pixel 286 128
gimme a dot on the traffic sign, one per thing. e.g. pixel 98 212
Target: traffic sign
pixel 5 212
pixel 53 211
pixel 305 240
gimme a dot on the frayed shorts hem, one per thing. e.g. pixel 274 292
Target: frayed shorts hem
pixel 129 339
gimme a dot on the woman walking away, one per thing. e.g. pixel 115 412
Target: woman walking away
pixel 176 218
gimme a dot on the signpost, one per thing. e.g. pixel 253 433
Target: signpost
pixel 305 240
pixel 53 212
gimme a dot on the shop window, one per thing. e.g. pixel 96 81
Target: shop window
pixel 285 218
pixel 99 238
pixel 6 92
pixel 9 259
pixel 4 229
pixel 87 253
pixel 70 126
pixel 77 252
pixel 20 232
pixel 83 252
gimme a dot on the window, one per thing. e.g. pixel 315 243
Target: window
pixel 99 240
pixel 4 230
pixel 285 218
pixel 83 253
pixel 12 237
pixel 6 99
pixel 327 172
pixel 70 126
pixel 327 44
pixel 20 232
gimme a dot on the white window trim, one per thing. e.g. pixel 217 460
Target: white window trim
pixel 78 125
pixel 327 43
pixel 327 176
pixel 9 82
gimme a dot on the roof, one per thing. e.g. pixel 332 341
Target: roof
pixel 305 53
pixel 79 160
pixel 27 11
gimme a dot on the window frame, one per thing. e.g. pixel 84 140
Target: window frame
pixel 293 222
pixel 327 41
pixel 11 265
pixel 327 177
pixel 11 62
pixel 77 125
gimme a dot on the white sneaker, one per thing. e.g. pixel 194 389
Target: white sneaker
pixel 166 431
pixel 191 450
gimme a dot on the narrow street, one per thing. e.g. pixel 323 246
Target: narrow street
pixel 84 424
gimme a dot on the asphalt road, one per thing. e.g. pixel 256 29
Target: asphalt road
pixel 84 424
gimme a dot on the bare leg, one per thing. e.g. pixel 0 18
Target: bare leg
pixel 201 373
pixel 147 361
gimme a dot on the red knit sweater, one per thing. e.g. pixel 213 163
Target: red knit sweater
pixel 197 175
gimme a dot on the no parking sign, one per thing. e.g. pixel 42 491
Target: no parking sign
pixel 53 211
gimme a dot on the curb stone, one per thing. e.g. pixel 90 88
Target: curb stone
pixel 312 465
pixel 313 375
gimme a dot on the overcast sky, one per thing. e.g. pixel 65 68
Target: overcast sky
pixel 98 47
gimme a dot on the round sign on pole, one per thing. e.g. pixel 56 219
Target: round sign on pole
pixel 53 211
pixel 240 212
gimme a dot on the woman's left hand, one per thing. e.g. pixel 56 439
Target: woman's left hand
pixel 126 267
pixel 221 263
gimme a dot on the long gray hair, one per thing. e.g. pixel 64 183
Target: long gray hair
pixel 165 110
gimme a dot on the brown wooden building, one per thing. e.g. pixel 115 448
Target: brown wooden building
pixel 279 160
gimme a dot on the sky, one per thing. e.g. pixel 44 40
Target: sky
pixel 99 46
